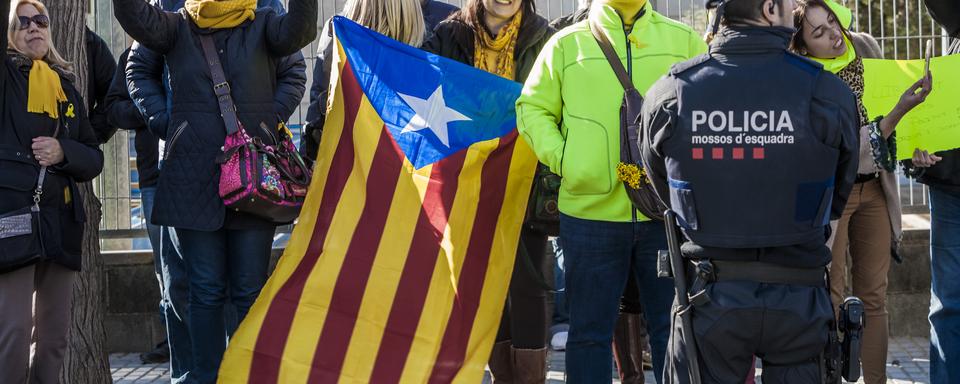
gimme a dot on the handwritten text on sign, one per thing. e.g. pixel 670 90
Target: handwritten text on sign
pixel 934 125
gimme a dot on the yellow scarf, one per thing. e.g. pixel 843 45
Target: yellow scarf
pixel 220 13
pixel 628 9
pixel 45 93
pixel 495 55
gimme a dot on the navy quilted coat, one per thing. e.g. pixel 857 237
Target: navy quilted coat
pixel 187 193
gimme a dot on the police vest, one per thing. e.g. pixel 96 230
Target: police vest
pixel 745 167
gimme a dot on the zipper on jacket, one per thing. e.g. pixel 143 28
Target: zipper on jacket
pixel 173 140
pixel 626 35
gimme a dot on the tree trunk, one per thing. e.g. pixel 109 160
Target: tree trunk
pixel 86 360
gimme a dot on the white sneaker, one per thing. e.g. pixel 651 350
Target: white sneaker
pixel 559 341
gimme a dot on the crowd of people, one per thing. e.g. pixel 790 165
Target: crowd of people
pixel 212 261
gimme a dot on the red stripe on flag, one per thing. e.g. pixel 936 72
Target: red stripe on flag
pixel 268 351
pixel 417 272
pixel 494 177
pixel 358 263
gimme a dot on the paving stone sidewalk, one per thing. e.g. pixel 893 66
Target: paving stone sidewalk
pixel 907 364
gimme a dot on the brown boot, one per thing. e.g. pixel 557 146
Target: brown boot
pixel 529 366
pixel 501 363
pixel 645 343
pixel 627 348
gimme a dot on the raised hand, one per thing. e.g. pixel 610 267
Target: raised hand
pixel 916 94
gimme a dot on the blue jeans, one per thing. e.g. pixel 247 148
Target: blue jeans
pixel 560 311
pixel 221 264
pixel 945 289
pixel 597 258
pixel 174 289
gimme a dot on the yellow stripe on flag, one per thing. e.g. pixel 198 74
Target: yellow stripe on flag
pixel 500 267
pixel 453 250
pixel 236 363
pixel 385 276
pixel 312 311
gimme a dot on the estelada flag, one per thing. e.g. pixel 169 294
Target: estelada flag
pixel 398 269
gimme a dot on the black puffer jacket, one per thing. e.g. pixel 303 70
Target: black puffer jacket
pixel 100 68
pixel 187 195
pixel 571 19
pixel 123 114
pixel 61 217
pixel 434 12
pixel 454 39
pixel 144 76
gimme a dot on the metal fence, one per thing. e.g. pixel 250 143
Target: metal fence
pixel 901 26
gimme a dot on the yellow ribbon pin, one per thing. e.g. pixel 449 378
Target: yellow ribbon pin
pixel 70 111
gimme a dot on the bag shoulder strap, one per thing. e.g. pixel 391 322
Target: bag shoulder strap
pixel 38 191
pixel 611 55
pixel 221 88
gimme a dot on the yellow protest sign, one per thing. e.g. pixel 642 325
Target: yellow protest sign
pixel 934 125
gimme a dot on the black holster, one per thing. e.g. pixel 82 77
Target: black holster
pixel 841 358
pixel 851 324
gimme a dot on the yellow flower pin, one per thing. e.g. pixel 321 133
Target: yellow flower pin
pixel 70 111
pixel 632 175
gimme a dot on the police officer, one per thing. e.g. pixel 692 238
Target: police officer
pixel 755 150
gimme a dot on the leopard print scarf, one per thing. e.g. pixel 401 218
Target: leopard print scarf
pixel 853 76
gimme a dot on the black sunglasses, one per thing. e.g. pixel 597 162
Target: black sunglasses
pixel 41 20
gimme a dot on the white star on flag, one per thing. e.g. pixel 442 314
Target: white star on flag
pixel 432 114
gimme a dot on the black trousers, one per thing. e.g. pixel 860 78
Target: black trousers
pixel 524 320
pixel 784 325
pixel 630 301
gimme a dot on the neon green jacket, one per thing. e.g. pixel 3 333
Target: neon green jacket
pixel 572 86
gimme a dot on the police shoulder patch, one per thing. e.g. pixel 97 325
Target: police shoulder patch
pixel 807 65
pixel 684 66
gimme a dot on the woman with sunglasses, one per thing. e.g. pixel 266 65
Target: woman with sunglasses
pixel 43 129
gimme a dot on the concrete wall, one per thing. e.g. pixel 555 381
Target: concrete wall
pixel 908 295
pixel 133 323
pixel 133 300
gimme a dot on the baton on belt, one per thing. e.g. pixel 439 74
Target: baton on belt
pixel 683 308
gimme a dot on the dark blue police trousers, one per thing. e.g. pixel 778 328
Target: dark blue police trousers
pixel 786 326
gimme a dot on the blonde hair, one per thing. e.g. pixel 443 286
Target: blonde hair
pixel 401 20
pixel 53 56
